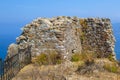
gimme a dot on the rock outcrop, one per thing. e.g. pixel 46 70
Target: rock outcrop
pixel 67 35
pixel 12 49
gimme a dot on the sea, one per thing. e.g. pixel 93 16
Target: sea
pixel 9 32
pixel 116 31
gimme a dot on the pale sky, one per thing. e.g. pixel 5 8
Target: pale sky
pixel 27 10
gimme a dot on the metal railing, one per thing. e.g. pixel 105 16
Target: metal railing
pixel 11 66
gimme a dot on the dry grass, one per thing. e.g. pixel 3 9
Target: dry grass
pixel 83 66
pixel 83 23
pixel 48 59
pixel 113 67
pixel 85 56
pixel 110 57
pixel 64 71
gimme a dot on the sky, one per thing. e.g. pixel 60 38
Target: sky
pixel 15 14
pixel 12 11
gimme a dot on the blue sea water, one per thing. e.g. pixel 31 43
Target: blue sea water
pixel 116 30
pixel 9 32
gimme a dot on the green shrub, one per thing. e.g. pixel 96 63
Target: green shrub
pixel 75 57
pixel 54 58
pixel 41 59
pixel 85 56
pixel 82 37
pixel 59 61
pixel 111 68
pixel 50 58
pixel 110 57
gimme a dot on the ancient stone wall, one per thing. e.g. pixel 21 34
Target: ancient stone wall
pixel 68 35
pixel 97 35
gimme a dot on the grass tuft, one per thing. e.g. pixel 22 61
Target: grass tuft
pixel 111 67
pixel 85 56
pixel 48 59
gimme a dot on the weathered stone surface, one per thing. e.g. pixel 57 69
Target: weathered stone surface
pixel 98 35
pixel 67 35
pixel 12 50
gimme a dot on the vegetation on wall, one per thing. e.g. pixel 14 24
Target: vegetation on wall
pixel 86 56
pixel 47 59
pixel 111 67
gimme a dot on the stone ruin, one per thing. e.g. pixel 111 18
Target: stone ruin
pixel 66 35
